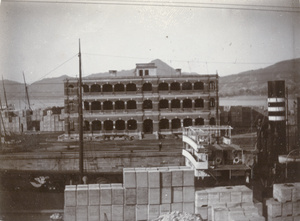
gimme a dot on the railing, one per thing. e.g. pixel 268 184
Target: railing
pixel 201 165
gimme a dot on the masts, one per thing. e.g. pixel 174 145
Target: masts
pixel 80 117
pixel 26 91
pixel 4 94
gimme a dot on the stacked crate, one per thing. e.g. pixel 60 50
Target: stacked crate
pixel 227 203
pixel 285 204
pixel 158 190
pixel 145 194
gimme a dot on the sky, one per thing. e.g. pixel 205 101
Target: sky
pixel 41 38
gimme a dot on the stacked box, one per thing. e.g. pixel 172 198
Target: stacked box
pixel 82 213
pixel 154 196
pixel 70 195
pixel 105 194
pixel 70 213
pixel 117 213
pixel 129 212
pixel 94 194
pixel 82 195
pixel 117 195
pixel 142 195
pixel 145 194
pixel 93 213
pixel 153 211
pixel 285 204
pixel 141 212
pixel 130 196
pixel 105 212
pixel 226 203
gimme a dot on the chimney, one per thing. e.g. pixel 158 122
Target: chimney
pixel 112 73
pixel 178 71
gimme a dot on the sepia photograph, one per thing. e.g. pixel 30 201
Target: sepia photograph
pixel 149 110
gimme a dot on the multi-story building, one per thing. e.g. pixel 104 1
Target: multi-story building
pixel 142 102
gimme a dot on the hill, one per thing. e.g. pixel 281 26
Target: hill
pixel 254 82
pixel 49 92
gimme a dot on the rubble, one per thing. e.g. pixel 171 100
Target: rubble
pixel 178 216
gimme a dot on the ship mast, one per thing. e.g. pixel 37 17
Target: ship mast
pixel 26 91
pixel 4 94
pixel 80 118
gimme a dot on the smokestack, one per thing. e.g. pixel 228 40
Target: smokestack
pixel 277 116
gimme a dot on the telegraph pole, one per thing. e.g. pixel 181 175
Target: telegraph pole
pixel 80 119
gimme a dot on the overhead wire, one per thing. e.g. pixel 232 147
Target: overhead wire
pixel 294 9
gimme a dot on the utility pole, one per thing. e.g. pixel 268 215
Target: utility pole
pixel 217 106
pixel 80 118
pixel 287 120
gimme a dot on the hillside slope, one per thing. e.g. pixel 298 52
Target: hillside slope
pixel 255 82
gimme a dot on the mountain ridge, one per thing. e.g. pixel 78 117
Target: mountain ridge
pixel 252 82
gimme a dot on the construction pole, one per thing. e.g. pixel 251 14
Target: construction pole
pixel 80 118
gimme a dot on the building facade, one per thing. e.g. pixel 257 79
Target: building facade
pixel 142 102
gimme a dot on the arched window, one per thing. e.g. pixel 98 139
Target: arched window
pixel 96 125
pixel 199 121
pixel 163 104
pixel 186 86
pixel 120 125
pixel 86 105
pixel 147 104
pixel 198 85
pixel 164 124
pixel 175 103
pixel 107 105
pixel 163 86
pixel 71 106
pixel 175 86
pixel 86 125
pixel 119 105
pixel 212 121
pixel 187 122
pixel 211 102
pixel 176 124
pixel 147 87
pixel 131 87
pixel 131 104
pixel 212 85
pixel 96 105
pixel 131 124
pixel 70 88
pixel 85 88
pixel 107 88
pixel 95 88
pixel 108 125
pixel 119 87
pixel 187 103
pixel 199 103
